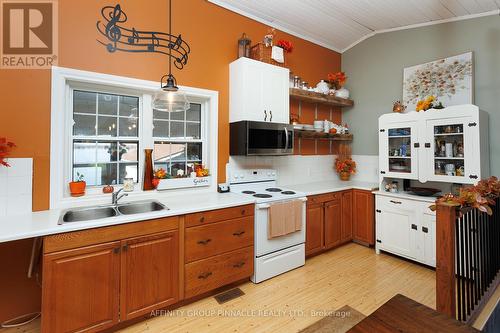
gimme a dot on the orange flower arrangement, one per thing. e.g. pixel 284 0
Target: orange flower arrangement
pixel 287 46
pixel 5 148
pixel 337 79
pixel 428 103
pixel 345 165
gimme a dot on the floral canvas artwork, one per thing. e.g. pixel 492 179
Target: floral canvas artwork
pixel 450 80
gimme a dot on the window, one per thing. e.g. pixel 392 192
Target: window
pixel 105 137
pixel 178 139
pixel 101 124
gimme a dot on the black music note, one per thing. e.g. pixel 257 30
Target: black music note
pixel 113 31
pixel 154 42
pixel 175 45
pixel 134 38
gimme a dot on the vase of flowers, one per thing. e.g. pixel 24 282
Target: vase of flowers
pixel 345 167
pixel 337 81
pixel 5 148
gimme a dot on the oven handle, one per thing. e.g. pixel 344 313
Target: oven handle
pixel 266 206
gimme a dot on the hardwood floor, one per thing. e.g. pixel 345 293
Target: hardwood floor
pixel 350 275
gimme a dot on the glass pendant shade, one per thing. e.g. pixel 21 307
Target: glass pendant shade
pixel 170 101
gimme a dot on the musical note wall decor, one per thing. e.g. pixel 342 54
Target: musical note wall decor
pixel 120 38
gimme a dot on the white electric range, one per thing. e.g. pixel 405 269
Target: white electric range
pixel 276 255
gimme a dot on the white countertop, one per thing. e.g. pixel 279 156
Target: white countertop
pixel 331 186
pixel 45 222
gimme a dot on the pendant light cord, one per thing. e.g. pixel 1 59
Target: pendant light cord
pixel 170 37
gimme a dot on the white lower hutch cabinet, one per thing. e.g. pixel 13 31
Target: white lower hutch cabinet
pixel 448 145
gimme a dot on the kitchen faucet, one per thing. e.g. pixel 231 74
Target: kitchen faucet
pixel 115 196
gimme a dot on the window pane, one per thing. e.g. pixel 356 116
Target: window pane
pixel 129 106
pixel 128 127
pixel 129 152
pixel 128 171
pixel 106 152
pixel 176 129
pixel 191 166
pixel 108 104
pixel 177 115
pixel 107 126
pixel 178 151
pixel 160 114
pixel 193 130
pixel 84 152
pixel 194 112
pixel 88 172
pixel 161 152
pixel 178 166
pixel 194 151
pixel 160 129
pixel 84 102
pixel 106 173
pixel 84 125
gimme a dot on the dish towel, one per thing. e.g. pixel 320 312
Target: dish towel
pixel 284 218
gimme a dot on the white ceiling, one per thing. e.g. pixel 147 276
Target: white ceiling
pixel 341 24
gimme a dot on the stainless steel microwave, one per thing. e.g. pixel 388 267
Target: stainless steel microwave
pixel 260 138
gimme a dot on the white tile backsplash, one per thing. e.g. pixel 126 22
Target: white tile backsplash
pixel 16 187
pixel 298 169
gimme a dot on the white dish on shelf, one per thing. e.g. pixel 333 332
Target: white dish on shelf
pixel 298 127
pixel 398 167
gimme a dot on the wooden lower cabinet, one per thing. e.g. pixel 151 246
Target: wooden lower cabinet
pixel 81 289
pixel 363 217
pixel 93 287
pixel 333 224
pixel 337 218
pixel 314 228
pixel 149 274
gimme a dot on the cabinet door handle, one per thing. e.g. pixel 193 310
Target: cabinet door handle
pixel 414 226
pixel 265 115
pixel 416 145
pixel 243 211
pixel 239 265
pixel 116 250
pixel 238 233
pixel 271 115
pixel 473 176
pixel 204 275
pixel 427 145
pixel 425 229
pixel 202 219
pixel 396 202
pixel 378 211
pixel 204 241
pixel 125 247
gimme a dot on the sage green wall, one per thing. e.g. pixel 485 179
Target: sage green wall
pixel 375 71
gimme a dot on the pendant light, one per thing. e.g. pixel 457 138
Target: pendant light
pixel 168 98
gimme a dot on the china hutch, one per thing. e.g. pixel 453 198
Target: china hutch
pixel 437 146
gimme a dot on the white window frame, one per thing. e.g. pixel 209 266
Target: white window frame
pixel 65 80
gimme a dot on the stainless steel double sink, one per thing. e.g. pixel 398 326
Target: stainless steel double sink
pixel 102 212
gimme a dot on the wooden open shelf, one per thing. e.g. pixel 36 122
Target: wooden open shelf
pixel 314 97
pixel 322 135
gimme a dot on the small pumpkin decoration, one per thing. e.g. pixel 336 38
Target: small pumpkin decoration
pixel 398 107
pixel 108 189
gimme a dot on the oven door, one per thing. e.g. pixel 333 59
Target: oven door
pixel 263 245
pixel 269 138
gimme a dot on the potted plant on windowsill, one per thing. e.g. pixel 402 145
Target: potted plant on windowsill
pixel 77 187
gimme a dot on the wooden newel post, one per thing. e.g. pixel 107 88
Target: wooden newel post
pixel 446 215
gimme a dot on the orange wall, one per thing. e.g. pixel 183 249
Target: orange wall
pixel 212 33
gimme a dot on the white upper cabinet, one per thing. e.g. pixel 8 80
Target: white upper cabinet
pixel 258 92
pixel 448 145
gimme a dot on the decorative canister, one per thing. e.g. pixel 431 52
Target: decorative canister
pixel 323 87
pixel 128 184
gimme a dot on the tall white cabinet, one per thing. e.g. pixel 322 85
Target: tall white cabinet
pixel 449 145
pixel 258 92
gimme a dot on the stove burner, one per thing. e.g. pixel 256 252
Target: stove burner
pixel 261 195
pixel 288 192
pixel 248 192
pixel 273 189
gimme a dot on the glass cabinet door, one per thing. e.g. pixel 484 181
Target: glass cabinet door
pixel 400 158
pixel 451 150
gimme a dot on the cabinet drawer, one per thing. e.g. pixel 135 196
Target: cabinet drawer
pixel 214 272
pixel 320 198
pixel 218 215
pixel 216 238
pixel 392 202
